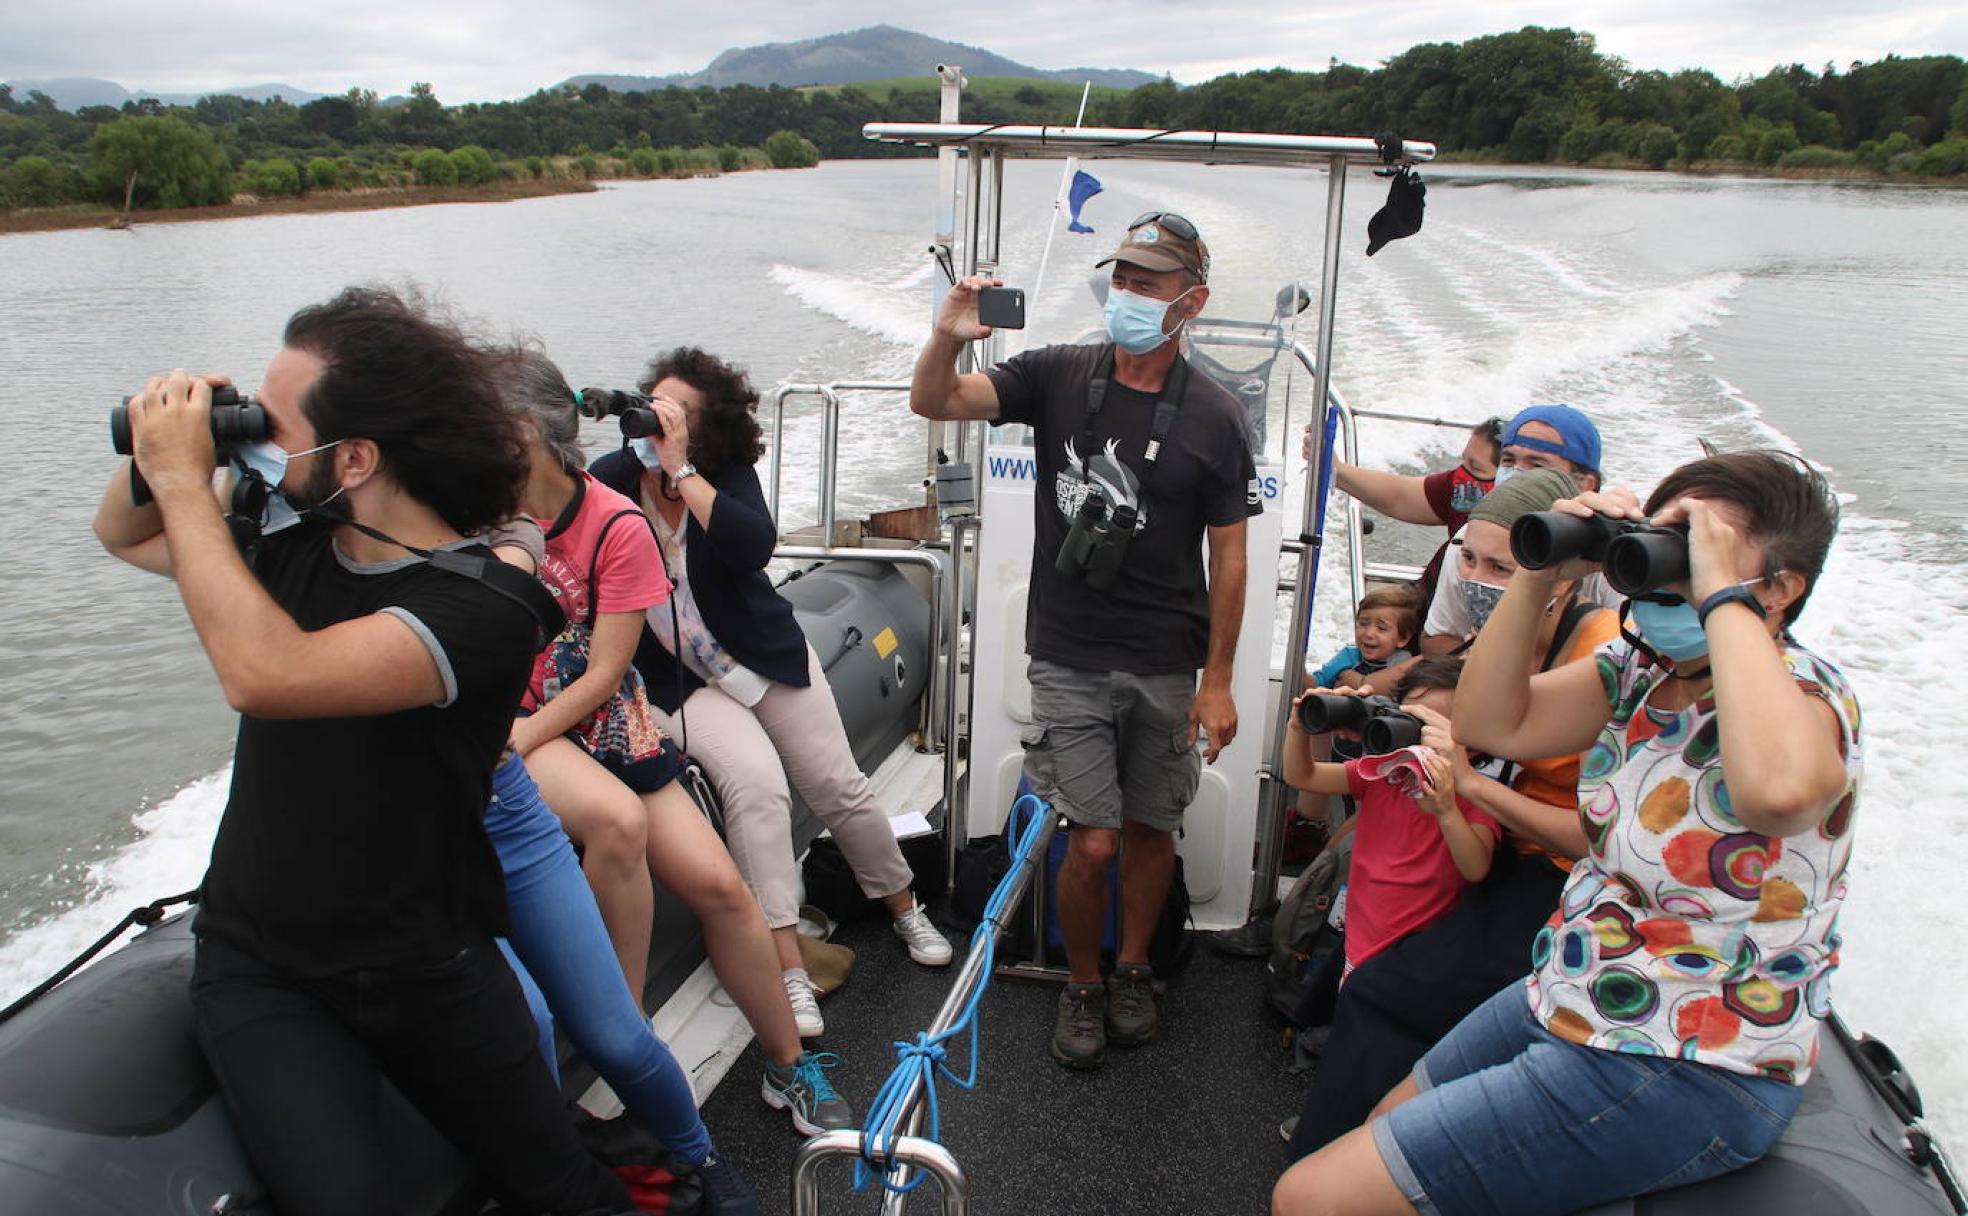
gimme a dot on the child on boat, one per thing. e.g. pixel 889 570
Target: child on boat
pixel 1384 626
pixel 1417 845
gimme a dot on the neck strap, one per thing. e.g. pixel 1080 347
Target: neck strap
pixel 494 575
pixel 1174 388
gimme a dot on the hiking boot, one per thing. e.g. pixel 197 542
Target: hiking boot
pixel 1132 1018
pixel 1079 1036
pixel 806 1007
pixel 726 1193
pixel 926 945
pixel 801 1088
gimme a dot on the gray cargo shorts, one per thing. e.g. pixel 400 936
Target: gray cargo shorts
pixel 1110 745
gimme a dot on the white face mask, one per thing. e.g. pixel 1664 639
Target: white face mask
pixel 1504 473
pixel 268 460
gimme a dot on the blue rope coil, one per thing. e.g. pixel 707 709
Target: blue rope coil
pixel 926 1056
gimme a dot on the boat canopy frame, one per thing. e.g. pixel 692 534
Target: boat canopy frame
pixel 971 241
pixel 983 149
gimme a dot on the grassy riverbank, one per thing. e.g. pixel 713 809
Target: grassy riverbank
pixel 90 215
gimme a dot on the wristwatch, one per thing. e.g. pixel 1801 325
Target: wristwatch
pixel 684 470
pixel 1737 594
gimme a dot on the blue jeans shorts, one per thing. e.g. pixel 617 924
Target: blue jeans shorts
pixel 1513 1120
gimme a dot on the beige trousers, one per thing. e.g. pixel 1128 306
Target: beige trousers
pixel 751 753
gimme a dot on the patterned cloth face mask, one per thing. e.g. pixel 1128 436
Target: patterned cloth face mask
pixel 1479 600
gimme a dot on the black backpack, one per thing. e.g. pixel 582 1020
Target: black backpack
pixel 1303 940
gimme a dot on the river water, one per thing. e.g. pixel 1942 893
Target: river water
pixel 1824 318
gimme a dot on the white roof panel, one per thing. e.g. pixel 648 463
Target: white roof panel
pixel 1094 143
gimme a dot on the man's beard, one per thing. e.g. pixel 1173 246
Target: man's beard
pixel 319 487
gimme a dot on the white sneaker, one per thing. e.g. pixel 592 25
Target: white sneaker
pixel 926 945
pixel 806 1009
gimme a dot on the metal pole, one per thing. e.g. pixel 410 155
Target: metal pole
pixel 829 461
pixel 1271 811
pixel 970 976
pixel 778 408
pixel 944 242
pixel 956 811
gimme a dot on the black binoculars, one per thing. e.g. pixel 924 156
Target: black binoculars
pixel 1382 724
pixel 638 420
pixel 235 420
pixel 1637 558
pixel 1097 542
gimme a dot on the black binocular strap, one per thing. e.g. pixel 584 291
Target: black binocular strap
pixel 494 575
pixel 1174 388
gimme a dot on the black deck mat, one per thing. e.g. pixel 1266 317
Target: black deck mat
pixel 1186 1124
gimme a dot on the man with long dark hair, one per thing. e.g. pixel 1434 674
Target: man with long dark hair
pixel 346 928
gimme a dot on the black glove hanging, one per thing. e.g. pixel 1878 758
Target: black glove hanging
pixel 1401 215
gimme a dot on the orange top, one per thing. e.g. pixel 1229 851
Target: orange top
pixel 1554 782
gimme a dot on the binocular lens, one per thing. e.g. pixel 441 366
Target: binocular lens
pixel 1640 562
pixel 1322 712
pixel 1390 733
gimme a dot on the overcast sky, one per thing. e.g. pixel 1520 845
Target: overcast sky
pixel 495 49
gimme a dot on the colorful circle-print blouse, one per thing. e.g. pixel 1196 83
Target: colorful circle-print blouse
pixel 1680 932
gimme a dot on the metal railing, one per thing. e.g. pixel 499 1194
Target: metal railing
pixel 940 719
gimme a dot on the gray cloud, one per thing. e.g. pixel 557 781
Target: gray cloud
pixel 491 49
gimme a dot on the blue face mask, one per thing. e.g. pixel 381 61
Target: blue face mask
pixel 645 451
pixel 1504 473
pixel 1134 321
pixel 268 460
pixel 1673 630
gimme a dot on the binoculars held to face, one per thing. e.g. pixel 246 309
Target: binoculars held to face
pixel 639 421
pixel 1380 721
pixel 235 420
pixel 1638 558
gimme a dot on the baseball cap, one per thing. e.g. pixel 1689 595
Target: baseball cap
pixel 1578 439
pixel 1163 240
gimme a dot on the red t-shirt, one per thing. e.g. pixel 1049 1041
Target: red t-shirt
pixel 1452 495
pixel 1403 878
pixel 625 564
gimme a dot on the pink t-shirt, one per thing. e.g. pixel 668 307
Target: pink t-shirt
pixel 1403 878
pixel 624 566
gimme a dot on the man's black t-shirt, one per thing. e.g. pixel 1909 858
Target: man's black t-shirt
pixel 1155 619
pixel 360 842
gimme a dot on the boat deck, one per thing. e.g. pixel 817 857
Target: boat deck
pixel 1184 1124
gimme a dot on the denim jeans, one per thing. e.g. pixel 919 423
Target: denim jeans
pixel 1513 1120
pixel 562 947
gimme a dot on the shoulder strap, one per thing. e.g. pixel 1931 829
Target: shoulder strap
pixel 1576 610
pixel 594 562
pixel 1174 388
pixel 505 581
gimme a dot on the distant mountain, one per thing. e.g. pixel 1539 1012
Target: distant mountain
pixel 75 92
pixel 879 52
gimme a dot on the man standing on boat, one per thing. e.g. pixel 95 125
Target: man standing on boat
pixel 376 652
pixel 1138 461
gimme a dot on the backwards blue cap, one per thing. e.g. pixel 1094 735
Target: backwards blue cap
pixel 1578 439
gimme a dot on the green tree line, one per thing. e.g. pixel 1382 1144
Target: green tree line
pixel 1531 96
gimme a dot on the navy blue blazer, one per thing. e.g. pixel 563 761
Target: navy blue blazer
pixel 726 568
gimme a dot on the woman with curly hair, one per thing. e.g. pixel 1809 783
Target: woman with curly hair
pixel 760 716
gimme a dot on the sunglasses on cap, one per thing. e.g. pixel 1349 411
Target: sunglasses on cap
pixel 1176 224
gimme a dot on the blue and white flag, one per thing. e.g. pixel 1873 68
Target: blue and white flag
pixel 1085 186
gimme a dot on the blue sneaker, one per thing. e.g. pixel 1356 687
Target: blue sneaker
pixel 802 1089
pixel 726 1193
